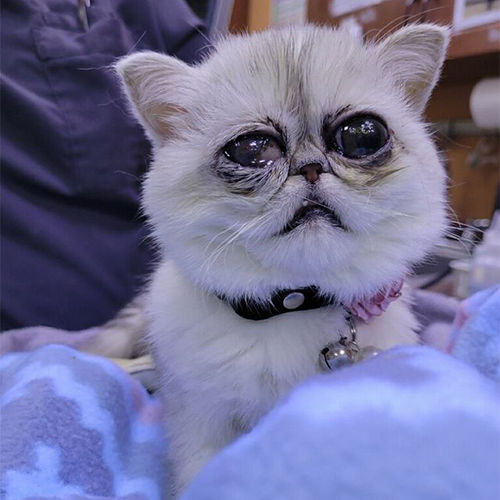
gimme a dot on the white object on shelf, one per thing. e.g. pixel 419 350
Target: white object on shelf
pixel 485 103
pixel 461 270
pixel 485 268
pixel 288 12
pixel 472 13
pixel 341 7
pixel 352 27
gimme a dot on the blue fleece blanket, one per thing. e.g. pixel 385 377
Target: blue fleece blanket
pixel 412 423
pixel 77 426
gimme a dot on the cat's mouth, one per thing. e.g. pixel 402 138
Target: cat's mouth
pixel 311 211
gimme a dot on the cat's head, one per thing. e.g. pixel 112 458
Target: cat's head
pixel 293 157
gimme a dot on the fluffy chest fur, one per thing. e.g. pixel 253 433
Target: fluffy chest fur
pixel 238 367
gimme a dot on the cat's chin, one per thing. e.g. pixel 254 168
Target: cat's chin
pixel 314 254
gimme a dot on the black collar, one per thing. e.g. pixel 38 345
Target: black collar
pixel 282 301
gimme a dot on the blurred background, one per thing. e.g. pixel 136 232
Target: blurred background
pixel 464 111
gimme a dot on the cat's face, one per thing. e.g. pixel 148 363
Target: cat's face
pixel 293 158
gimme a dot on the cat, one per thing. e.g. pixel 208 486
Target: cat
pixel 292 176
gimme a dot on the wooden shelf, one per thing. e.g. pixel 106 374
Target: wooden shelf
pixel 383 18
pixel 450 99
pixel 475 41
pixel 239 17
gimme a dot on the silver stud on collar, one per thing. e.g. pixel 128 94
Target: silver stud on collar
pixel 293 300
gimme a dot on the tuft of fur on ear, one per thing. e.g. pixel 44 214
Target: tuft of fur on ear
pixel 413 57
pixel 157 86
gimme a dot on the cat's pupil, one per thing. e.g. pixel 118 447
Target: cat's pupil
pixel 360 137
pixel 253 150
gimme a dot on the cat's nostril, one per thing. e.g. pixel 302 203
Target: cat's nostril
pixel 311 172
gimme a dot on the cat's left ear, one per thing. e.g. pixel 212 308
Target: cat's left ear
pixel 159 88
pixel 413 57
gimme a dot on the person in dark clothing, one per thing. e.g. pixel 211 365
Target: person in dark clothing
pixel 74 248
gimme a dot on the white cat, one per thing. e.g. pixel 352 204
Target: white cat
pixel 291 164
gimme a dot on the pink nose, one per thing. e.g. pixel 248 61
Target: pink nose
pixel 311 172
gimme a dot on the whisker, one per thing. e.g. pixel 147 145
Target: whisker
pixel 226 243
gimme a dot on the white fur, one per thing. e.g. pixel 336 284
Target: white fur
pixel 221 373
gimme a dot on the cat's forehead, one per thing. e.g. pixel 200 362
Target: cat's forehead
pixel 293 69
pixel 292 48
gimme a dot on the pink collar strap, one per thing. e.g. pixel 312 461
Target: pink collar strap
pixel 368 309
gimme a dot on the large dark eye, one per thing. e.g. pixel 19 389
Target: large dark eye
pixel 253 150
pixel 359 137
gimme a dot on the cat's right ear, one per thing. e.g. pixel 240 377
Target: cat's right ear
pixel 414 56
pixel 158 87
